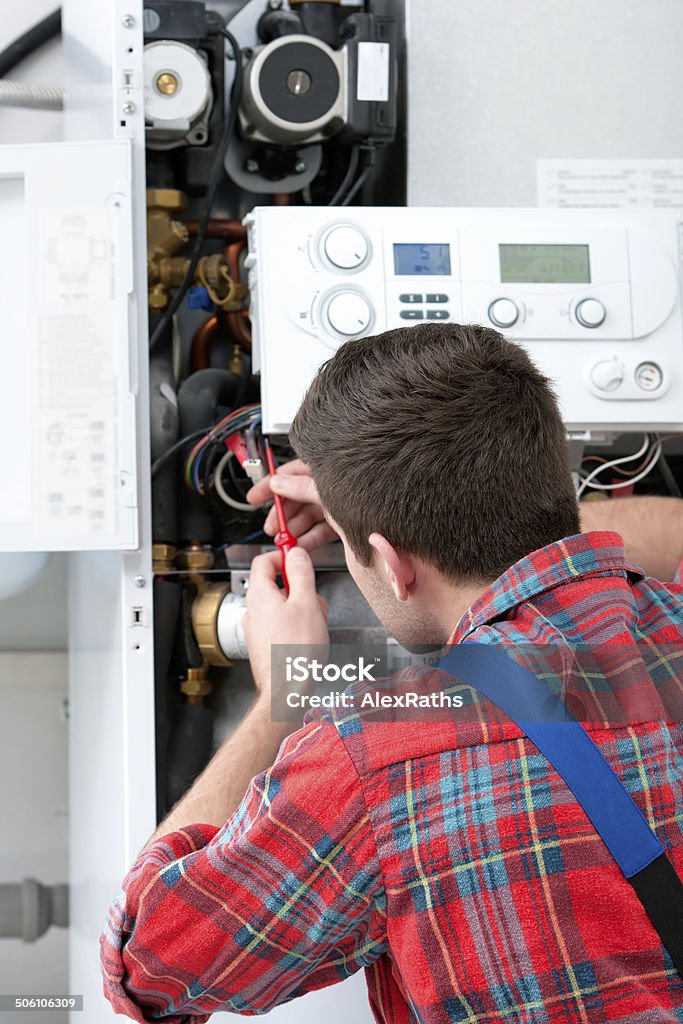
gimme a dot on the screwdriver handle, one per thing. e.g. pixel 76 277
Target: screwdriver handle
pixel 285 541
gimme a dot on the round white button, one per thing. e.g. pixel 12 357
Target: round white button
pixel 649 376
pixel 590 313
pixel 349 313
pixel 346 247
pixel 607 375
pixel 503 313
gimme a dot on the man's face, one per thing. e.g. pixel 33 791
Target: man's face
pixel 411 624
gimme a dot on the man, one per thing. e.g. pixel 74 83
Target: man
pixel 449 860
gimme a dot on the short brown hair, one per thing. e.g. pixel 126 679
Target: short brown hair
pixel 444 438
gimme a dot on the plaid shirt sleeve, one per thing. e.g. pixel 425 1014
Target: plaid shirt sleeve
pixel 287 897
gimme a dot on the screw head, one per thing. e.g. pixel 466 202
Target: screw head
pixel 128 108
pixel 299 167
pixel 251 166
pixel 275 5
pixel 128 21
pixel 140 582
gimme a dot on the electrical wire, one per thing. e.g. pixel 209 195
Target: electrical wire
pixel 31 40
pixel 253 452
pixel 174 449
pixel 630 472
pixel 220 489
pixel 212 188
pixel 351 171
pixel 668 477
pixel 362 178
pixel 586 481
pixel 234 422
pixel 594 485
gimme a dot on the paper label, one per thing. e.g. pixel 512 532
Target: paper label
pixel 77 369
pixel 373 72
pixel 610 183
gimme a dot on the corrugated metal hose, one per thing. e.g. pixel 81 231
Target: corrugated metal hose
pixel 36 97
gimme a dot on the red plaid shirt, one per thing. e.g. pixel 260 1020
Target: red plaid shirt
pixel 450 861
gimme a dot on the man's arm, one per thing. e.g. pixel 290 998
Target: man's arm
pixel 652 529
pixel 272 618
pixel 287 896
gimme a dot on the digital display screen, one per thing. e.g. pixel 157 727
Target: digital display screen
pixel 412 259
pixel 544 264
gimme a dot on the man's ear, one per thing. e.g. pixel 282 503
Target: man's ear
pixel 396 565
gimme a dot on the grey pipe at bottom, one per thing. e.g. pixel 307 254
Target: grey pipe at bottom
pixel 28 908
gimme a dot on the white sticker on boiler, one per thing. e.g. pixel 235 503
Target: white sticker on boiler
pixel 77 375
pixel 373 72
pixel 613 184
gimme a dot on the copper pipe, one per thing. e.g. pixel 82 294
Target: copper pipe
pixel 202 343
pixel 233 257
pixel 281 199
pixel 229 230
pixel 237 321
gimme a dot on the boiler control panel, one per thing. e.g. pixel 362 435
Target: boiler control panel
pixel 593 295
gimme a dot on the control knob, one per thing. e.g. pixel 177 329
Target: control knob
pixel 607 375
pixel 503 313
pixel 349 313
pixel 590 313
pixel 346 247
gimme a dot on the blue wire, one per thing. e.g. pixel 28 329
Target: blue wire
pixel 252 428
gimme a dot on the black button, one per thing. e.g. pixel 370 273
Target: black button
pixel 438 314
pixel 410 297
pixel 437 297
pixel 412 314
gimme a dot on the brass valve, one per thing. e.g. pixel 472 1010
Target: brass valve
pixel 166 271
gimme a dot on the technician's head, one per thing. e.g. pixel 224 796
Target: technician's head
pixel 440 455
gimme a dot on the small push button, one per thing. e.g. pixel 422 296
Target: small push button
pixel 410 297
pixel 437 297
pixel 437 314
pixel 412 314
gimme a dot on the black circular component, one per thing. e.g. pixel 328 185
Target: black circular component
pixel 302 107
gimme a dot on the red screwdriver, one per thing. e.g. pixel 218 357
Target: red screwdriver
pixel 284 539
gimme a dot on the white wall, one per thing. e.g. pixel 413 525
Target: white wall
pixel 495 86
pixel 33 805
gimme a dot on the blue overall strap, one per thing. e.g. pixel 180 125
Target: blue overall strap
pixel 524 698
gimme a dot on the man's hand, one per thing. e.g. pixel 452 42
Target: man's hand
pixel 275 618
pixel 304 512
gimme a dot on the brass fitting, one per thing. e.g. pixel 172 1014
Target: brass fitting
pixel 196 685
pixel 165 235
pixel 196 558
pixel 163 557
pixel 205 608
pixel 236 363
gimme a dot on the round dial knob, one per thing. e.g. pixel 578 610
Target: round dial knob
pixel 590 313
pixel 346 247
pixel 503 312
pixel 349 313
pixel 649 376
pixel 607 375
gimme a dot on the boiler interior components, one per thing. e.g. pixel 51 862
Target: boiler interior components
pixel 177 95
